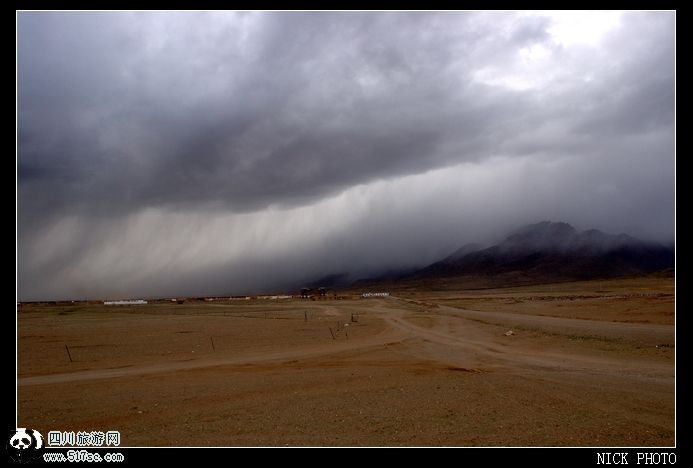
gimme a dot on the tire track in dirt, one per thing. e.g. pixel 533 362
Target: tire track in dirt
pixel 646 333
pixel 473 346
pixel 382 338
pixel 524 357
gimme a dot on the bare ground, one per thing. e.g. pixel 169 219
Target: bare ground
pixel 426 369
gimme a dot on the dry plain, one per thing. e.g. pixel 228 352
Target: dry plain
pixel 587 364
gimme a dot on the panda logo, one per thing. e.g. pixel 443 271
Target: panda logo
pixel 24 444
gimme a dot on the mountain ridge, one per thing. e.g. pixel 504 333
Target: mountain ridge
pixel 546 251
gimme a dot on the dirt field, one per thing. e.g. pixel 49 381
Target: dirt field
pixel 587 364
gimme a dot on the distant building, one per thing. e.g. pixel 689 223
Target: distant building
pixel 128 302
pixel 375 294
pixel 274 297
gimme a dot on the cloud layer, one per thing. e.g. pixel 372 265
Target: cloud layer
pixel 222 152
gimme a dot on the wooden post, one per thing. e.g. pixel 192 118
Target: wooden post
pixel 68 353
pixel 305 315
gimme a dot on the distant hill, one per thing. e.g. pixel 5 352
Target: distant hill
pixel 546 252
pixel 336 280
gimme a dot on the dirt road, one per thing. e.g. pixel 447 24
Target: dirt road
pixel 305 352
pixel 302 373
pixel 472 343
pixel 645 333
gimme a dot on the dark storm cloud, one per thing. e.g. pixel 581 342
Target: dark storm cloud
pixel 210 117
pixel 307 104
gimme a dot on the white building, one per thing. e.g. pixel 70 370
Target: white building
pixel 375 294
pixel 128 302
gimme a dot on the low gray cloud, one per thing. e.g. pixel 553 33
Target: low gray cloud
pixel 213 152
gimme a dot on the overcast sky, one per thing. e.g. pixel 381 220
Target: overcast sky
pixel 193 153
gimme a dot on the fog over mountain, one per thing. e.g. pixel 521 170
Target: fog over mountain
pixel 552 251
pixel 193 153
